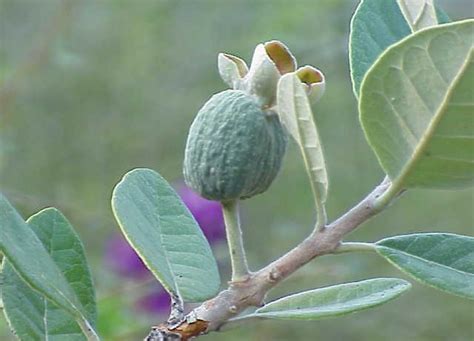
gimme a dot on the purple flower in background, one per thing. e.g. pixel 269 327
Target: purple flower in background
pixel 207 213
pixel 157 302
pixel 123 260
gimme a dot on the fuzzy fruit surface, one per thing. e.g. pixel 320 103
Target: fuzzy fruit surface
pixel 234 148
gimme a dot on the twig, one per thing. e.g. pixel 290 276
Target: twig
pixel 251 292
pixel 177 311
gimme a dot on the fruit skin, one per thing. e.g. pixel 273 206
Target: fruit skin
pixel 234 148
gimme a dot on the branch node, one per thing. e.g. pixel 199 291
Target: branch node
pixel 249 289
pixel 177 312
pixel 158 334
pixel 241 282
pixel 274 275
pixel 191 317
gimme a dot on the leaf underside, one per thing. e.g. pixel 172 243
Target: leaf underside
pixel 419 14
pixel 376 25
pixel 334 300
pixel 416 108
pixel 296 115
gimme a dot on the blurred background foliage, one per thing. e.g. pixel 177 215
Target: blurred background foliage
pixel 90 89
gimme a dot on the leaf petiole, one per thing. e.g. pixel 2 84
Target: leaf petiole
pixel 354 247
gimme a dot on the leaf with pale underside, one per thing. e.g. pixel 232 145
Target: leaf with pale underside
pixel 165 235
pixel 231 69
pixel 376 25
pixel 296 115
pixel 419 13
pixel 332 301
pixel 416 108
pixel 30 315
pixel 442 260
pixel 31 260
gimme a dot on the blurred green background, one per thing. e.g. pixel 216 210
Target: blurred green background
pixel 90 89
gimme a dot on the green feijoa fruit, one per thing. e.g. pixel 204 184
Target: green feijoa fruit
pixel 234 148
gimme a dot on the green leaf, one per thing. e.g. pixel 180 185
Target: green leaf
pixel 443 18
pixel 334 300
pixel 442 260
pixel 165 235
pixel 29 314
pixel 378 24
pixel 32 262
pixel 296 115
pixel 1 281
pixel 375 25
pixel 416 108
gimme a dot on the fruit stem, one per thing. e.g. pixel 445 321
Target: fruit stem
pixel 238 257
